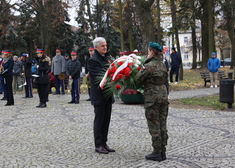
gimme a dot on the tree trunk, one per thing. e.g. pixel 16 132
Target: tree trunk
pixel 194 41
pixel 211 41
pixel 204 25
pixel 230 27
pixel 174 21
pixel 158 22
pixel 90 19
pixel 129 26
pixel 143 9
pixel 121 24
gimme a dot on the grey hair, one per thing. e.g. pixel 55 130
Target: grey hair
pixel 98 40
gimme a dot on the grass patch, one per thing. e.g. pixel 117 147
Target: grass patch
pixel 192 79
pixel 209 101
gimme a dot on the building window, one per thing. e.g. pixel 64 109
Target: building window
pixel 185 39
pixel 185 56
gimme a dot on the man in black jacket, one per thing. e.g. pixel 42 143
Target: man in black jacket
pixel 91 52
pixel 73 69
pixel 27 73
pixel 97 65
pixel 175 65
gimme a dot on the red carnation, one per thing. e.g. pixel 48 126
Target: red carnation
pixel 118 87
pixel 120 63
pixel 109 71
pixel 129 64
pixel 113 69
pixel 119 76
pixel 127 71
pixel 138 68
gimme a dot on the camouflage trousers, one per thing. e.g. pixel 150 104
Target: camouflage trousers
pixel 156 116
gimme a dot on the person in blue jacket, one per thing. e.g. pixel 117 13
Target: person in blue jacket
pixel 213 64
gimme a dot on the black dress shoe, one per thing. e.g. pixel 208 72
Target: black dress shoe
pixel 109 149
pixel 30 97
pixel 102 150
pixel 76 102
pixel 39 105
pixel 88 99
pixel 71 102
pixel 154 156
pixel 9 104
pixel 43 105
pixel 4 98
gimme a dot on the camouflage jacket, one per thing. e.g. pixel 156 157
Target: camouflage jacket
pixel 152 76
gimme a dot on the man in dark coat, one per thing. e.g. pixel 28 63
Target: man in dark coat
pixel 73 70
pixel 97 65
pixel 175 65
pixel 27 73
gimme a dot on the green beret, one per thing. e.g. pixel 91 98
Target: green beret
pixel 155 46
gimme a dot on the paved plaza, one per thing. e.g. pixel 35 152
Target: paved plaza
pixel 61 135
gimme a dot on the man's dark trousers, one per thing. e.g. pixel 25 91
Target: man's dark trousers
pixel 176 71
pixel 101 123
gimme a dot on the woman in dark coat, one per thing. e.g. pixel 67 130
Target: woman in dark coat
pixel 42 80
pixel 8 75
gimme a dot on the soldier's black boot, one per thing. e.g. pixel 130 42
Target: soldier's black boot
pixel 154 156
pixel 163 154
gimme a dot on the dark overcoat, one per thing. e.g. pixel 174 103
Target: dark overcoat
pixel 97 66
pixel 42 70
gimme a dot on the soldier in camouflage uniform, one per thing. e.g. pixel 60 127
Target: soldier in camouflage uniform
pixel 152 76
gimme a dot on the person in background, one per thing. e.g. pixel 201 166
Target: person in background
pixel 213 64
pixel 27 73
pixel 7 74
pixel 1 87
pixel 51 82
pixel 66 80
pixel 33 67
pixel 58 67
pixel 42 80
pixel 91 52
pixel 2 83
pixel 175 65
pixel 20 58
pixel 167 69
pixel 17 70
pixel 152 76
pixel 97 65
pixel 73 70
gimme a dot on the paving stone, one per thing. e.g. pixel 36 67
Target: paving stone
pixel 61 135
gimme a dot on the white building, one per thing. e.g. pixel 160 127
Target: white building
pixel 185 40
